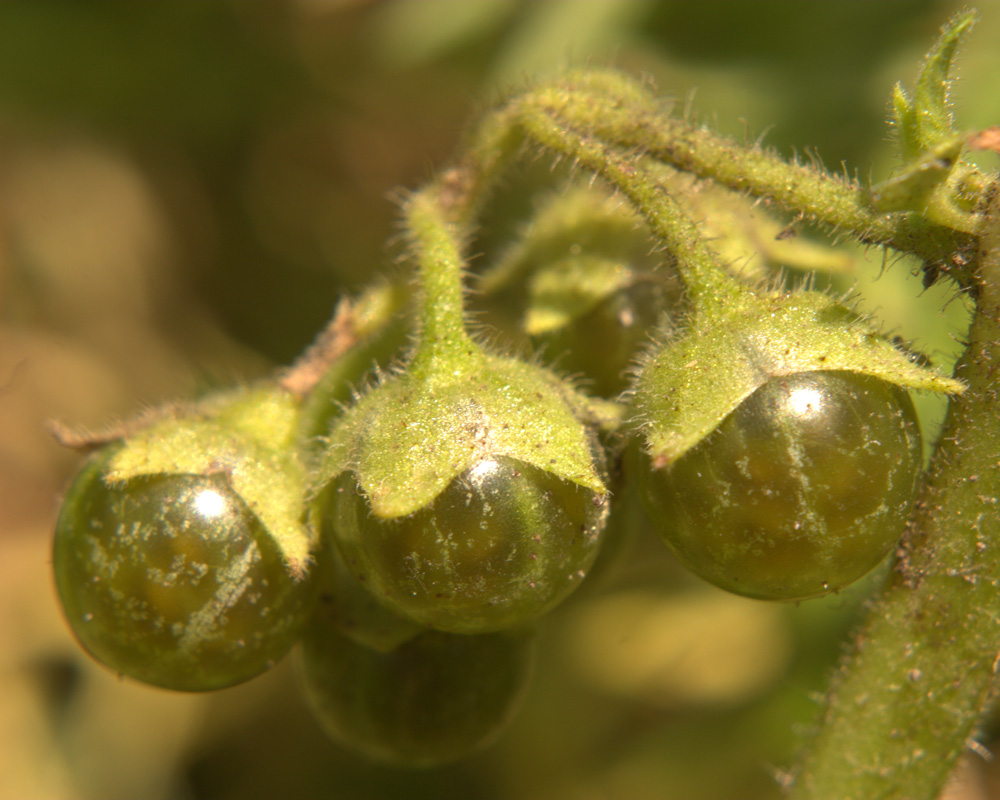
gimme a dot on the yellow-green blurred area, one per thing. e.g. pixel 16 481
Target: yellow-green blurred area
pixel 187 187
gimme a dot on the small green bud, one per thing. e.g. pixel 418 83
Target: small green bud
pixel 934 179
pixel 913 187
pixel 924 120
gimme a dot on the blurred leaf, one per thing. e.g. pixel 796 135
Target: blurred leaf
pixel 699 647
pixel 178 69
pixel 409 33
pixel 556 32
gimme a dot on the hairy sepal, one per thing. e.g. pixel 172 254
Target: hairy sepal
pixel 409 438
pixel 727 351
pixel 248 435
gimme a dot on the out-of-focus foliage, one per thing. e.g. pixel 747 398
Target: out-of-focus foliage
pixel 185 189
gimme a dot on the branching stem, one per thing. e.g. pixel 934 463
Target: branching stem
pixel 613 110
pixel 704 274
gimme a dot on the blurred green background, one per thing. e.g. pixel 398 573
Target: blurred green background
pixel 186 187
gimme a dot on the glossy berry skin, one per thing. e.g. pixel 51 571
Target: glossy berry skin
pixel 173 581
pixel 801 490
pixel 433 699
pixel 502 544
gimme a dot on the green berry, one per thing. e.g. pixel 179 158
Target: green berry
pixel 602 342
pixel 801 490
pixel 502 544
pixel 172 580
pixel 433 699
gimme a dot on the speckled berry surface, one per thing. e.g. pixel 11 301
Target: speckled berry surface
pixel 502 544
pixel 800 491
pixel 173 581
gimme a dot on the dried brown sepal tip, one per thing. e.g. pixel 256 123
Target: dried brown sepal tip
pixel 339 336
pixel 83 440
pixel 987 139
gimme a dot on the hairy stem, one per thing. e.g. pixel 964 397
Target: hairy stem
pixel 439 262
pixel 839 203
pixel 610 108
pixel 907 699
pixel 704 274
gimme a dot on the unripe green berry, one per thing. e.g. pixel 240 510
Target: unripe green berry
pixel 435 698
pixel 503 543
pixel 600 343
pixel 801 490
pixel 180 552
pixel 173 581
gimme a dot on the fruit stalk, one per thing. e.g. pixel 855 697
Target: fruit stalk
pixel 704 275
pixel 439 261
pixel 610 108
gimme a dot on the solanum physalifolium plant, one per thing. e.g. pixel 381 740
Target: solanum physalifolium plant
pixel 411 502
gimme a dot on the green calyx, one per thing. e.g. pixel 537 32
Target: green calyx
pixel 410 437
pixel 585 244
pixel 249 437
pixel 730 349
pixel 455 405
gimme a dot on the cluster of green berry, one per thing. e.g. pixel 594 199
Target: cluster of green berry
pixel 411 536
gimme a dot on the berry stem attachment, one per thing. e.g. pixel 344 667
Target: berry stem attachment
pixel 443 339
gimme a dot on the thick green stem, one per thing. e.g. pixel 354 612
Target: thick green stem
pixel 907 699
